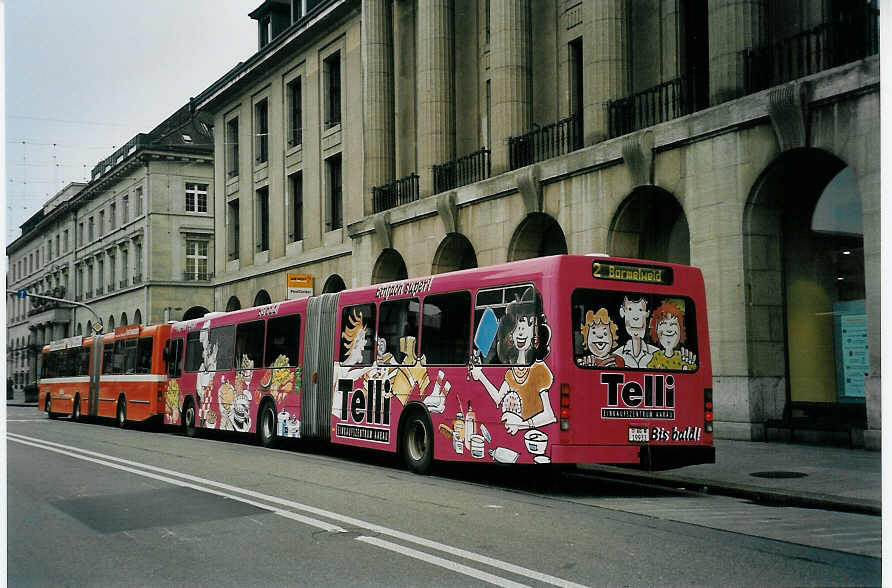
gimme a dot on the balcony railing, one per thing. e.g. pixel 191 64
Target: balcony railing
pixel 111 287
pixel 123 283
pixel 666 101
pixel 395 193
pixel 467 169
pixel 88 294
pixel 137 279
pixel 853 36
pixel 78 297
pixel 99 292
pixel 197 276
pixel 543 143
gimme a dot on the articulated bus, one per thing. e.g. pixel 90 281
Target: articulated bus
pixel 566 359
pixel 119 375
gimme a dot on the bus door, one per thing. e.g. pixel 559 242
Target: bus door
pixel 95 373
pixel 319 344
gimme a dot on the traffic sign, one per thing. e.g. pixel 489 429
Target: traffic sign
pixel 21 294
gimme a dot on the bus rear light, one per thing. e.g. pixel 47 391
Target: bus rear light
pixel 707 410
pixel 565 407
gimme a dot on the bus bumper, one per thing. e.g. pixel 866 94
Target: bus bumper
pixel 665 457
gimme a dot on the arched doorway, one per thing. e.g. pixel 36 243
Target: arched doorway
pixel 454 253
pixel 233 304
pixel 334 283
pixel 262 298
pixel 137 317
pixel 80 329
pixel 194 313
pixel 804 252
pixel 124 318
pixel 110 325
pixel 389 267
pixel 650 224
pixel 537 235
pixel 89 327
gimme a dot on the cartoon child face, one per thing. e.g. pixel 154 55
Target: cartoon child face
pixel 599 340
pixel 523 332
pixel 635 313
pixel 669 332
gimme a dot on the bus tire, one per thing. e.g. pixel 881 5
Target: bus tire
pixel 49 408
pixel 417 443
pixel 189 418
pixel 266 425
pixel 76 409
pixel 121 413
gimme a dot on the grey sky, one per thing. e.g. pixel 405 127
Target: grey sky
pixel 88 75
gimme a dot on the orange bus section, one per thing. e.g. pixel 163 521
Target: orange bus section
pixel 563 359
pixel 118 375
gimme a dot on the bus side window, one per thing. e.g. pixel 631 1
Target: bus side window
pixel 282 341
pixel 108 353
pixel 446 328
pixel 83 361
pixel 174 355
pixel 193 351
pixel 222 342
pixel 130 356
pixel 398 331
pixel 357 338
pixel 69 362
pixel 249 345
pixel 144 355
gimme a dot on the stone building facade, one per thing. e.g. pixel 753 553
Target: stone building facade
pixel 135 244
pixel 372 140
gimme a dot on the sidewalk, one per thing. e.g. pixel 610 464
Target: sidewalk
pixel 791 474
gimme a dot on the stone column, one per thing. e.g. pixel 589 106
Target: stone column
pixel 436 92
pixel 510 66
pixel 605 64
pixel 377 55
pixel 669 27
pixel 734 25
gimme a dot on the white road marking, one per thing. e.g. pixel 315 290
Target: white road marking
pixel 103 459
pixel 439 561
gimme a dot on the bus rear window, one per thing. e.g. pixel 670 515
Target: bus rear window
pixel 633 330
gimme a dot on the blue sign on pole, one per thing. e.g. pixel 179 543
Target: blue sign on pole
pixel 22 293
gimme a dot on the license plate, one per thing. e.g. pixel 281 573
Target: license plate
pixel 638 435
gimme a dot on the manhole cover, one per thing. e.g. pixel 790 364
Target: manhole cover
pixel 778 475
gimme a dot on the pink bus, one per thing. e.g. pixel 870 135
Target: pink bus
pixel 564 359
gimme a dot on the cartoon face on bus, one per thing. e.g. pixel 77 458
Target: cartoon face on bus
pixel 667 327
pixel 599 339
pixel 636 352
pixel 354 336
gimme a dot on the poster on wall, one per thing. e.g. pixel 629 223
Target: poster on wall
pixel 850 334
pixel 299 286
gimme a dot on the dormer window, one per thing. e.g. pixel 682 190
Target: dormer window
pixel 187 138
pixel 273 17
pixel 266 31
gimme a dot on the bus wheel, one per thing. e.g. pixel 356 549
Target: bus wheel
pixel 266 426
pixel 417 444
pixel 49 408
pixel 76 409
pixel 121 416
pixel 189 418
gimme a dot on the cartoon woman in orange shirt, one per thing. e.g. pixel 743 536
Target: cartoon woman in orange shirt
pixel 522 340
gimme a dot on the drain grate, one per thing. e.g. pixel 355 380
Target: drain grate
pixel 779 475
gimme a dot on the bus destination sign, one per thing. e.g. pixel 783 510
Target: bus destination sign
pixel 646 274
